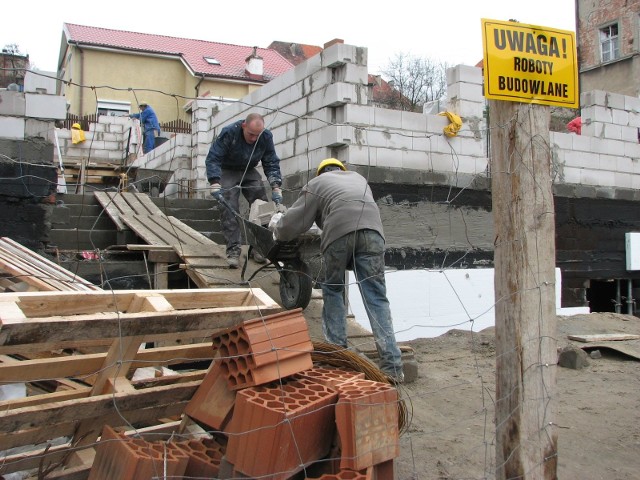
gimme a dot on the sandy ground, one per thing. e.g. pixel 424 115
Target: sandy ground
pixel 451 406
pixel 451 403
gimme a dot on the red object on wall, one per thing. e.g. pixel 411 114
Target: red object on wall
pixel 262 350
pixel 276 429
pixel 575 125
pixel 367 421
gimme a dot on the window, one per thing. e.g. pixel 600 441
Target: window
pixel 609 45
pixel 113 108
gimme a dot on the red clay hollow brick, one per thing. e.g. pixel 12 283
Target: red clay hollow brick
pixel 213 402
pixel 346 475
pixel 331 376
pixel 278 429
pixel 262 350
pixel 124 458
pixel 205 455
pixel 367 423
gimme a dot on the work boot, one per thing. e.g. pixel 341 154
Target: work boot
pixel 233 259
pixel 258 257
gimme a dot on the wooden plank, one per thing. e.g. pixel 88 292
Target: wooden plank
pixel 111 208
pixel 95 407
pixel 603 337
pixel 142 203
pixel 82 366
pixel 139 225
pixel 148 416
pixel 116 323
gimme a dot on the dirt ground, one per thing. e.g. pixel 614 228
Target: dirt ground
pixel 451 404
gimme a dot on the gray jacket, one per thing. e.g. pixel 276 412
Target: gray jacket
pixel 339 202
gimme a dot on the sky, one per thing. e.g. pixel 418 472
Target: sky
pixel 418 28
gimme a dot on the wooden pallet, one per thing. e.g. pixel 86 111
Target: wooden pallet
pixel 105 331
pixel 25 270
pixel 204 260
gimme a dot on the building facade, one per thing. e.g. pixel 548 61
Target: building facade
pixel 609 45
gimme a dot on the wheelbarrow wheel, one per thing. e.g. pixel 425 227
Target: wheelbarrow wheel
pixel 295 285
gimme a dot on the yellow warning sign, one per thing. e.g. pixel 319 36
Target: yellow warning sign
pixel 530 64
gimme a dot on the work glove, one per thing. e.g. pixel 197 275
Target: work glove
pixel 276 195
pixel 274 221
pixel 216 191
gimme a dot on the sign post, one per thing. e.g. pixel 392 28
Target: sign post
pixel 531 68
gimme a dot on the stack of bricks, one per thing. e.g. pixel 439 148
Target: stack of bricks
pixel 273 414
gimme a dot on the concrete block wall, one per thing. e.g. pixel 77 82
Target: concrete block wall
pixel 607 153
pixel 26 115
pixel 320 109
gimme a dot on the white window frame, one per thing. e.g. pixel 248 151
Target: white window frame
pixel 113 108
pixel 609 38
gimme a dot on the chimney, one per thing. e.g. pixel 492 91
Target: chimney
pixel 333 42
pixel 255 64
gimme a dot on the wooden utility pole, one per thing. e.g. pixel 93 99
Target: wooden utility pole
pixel 523 212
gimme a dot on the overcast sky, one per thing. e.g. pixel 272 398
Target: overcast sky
pixel 445 31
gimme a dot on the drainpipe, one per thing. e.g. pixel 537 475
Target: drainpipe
pixel 618 298
pixel 197 87
pixel 630 299
pixel 81 112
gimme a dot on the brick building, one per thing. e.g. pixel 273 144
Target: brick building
pixel 608 45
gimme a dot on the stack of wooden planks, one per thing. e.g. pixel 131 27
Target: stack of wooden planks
pixel 77 352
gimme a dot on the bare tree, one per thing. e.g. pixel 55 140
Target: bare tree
pixel 414 81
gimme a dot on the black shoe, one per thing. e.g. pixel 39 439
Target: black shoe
pixel 258 258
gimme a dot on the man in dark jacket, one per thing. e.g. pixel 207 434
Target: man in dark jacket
pixel 340 202
pixel 150 125
pixel 231 163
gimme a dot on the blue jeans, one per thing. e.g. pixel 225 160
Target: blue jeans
pixel 149 140
pixel 234 182
pixel 363 252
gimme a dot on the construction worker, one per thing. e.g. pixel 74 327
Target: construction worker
pixel 231 163
pixel 341 203
pixel 150 125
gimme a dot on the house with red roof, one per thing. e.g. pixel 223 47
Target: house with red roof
pixel 125 68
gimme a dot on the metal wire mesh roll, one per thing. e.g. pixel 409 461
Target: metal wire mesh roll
pixel 336 356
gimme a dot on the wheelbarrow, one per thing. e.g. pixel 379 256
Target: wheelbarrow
pixel 296 279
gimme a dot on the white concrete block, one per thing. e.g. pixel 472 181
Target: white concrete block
pixel 634 119
pixel 612 131
pixel 593 129
pixel 334 95
pixel 632 150
pixel 561 140
pixel 623 180
pixel 356 114
pixel 615 101
pixel 441 162
pixel 624 165
pixel 464 73
pixel 571 175
pixel 339 54
pixel 620 117
pixel 12 103
pixel 580 143
pixel 363 155
pixel 597 177
pixel 632 104
pixel 45 106
pixel 411 121
pixel 582 160
pixel 606 146
pixel 594 97
pixel 465 108
pixel 421 142
pixel 389 158
pixel 413 160
pixel 630 134
pixel 436 123
pixel 482 166
pixel 12 128
pixel 40 82
pixel 38 128
pixel 353 73
pixel 465 91
pixel 388 118
pixel 601 114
